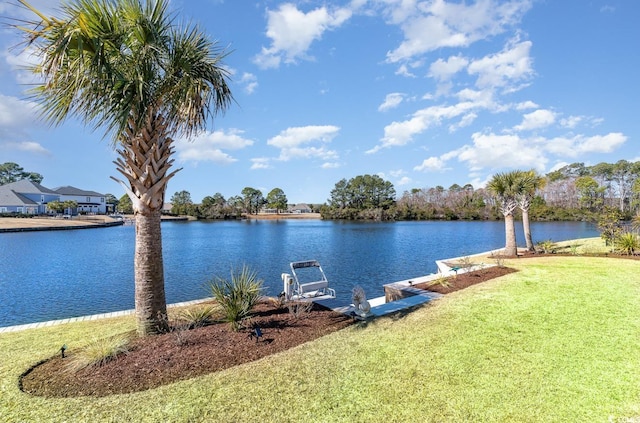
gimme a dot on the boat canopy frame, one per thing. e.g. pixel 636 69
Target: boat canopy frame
pixel 313 289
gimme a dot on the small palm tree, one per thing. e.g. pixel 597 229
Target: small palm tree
pixel 123 65
pixel 505 187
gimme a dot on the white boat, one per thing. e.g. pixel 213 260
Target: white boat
pixel 306 282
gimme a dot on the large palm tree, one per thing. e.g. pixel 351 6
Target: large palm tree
pixel 527 185
pixel 126 67
pixel 505 188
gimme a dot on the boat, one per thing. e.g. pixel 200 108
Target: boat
pixel 306 282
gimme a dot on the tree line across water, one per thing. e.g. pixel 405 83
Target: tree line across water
pixel 573 192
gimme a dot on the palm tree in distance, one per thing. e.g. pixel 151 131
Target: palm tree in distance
pixel 505 188
pixel 126 67
pixel 528 184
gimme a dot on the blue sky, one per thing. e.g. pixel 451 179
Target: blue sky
pixel 422 93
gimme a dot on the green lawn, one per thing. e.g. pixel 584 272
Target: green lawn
pixel 557 341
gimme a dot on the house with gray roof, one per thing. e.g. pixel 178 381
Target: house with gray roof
pixel 26 197
pixel 88 201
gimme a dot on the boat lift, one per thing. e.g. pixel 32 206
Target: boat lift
pixel 303 283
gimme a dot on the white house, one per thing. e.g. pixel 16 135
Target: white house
pixel 88 201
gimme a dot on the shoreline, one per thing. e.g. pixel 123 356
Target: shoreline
pixel 15 224
pixel 278 216
pixel 30 224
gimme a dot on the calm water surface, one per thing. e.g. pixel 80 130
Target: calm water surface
pixel 60 274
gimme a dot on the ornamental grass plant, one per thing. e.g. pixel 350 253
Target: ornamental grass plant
pixel 98 352
pixel 238 295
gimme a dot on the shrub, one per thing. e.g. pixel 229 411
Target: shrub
pixel 546 247
pixel 299 308
pixel 499 260
pixel 98 353
pixel 465 263
pixel 197 316
pixel 237 296
pixel 441 280
pixel 627 243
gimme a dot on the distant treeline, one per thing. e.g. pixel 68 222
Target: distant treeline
pixel 574 192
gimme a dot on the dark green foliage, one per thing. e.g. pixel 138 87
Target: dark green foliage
pixel 238 295
pixel 610 225
pixel 362 197
pixel 627 243
pixel 253 199
pixel 125 205
pixel 12 172
pixel 181 203
pixel 276 199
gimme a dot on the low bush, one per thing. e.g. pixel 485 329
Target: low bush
pixel 238 295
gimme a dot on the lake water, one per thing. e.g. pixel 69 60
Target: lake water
pixel 60 274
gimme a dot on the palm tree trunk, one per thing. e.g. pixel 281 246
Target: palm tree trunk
pixel 145 159
pixel 151 308
pixel 511 248
pixel 527 229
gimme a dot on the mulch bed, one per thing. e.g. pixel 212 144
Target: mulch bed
pixel 183 354
pixel 464 280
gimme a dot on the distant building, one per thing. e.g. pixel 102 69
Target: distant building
pixel 88 201
pixel 25 197
pixel 300 208
pixel 28 197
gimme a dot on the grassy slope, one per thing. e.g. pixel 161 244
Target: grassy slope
pixel 558 341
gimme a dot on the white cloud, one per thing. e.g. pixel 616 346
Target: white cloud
pixel 405 180
pixel 499 151
pixel 431 25
pixel 558 165
pixel 330 165
pixel 540 118
pixel 580 144
pixel 403 70
pixel 27 146
pixel 466 120
pixel 15 116
pixel 16 113
pixel 250 82
pixel 432 164
pixel 571 121
pixel 445 69
pixel 209 145
pixel 391 101
pixel 292 142
pixel 525 105
pixel 401 133
pixel 292 31
pixel 511 66
pixel 261 163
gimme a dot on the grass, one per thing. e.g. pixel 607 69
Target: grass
pixel 557 341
